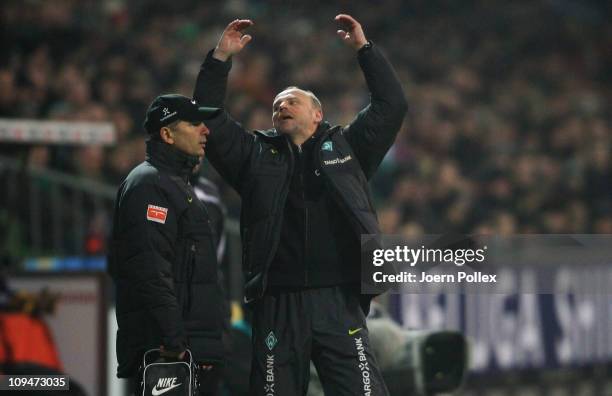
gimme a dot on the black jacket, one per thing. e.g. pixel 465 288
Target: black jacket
pixel 208 193
pixel 164 264
pixel 317 247
pixel 260 165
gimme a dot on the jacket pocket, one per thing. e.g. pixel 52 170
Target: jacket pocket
pixel 183 270
pixel 258 246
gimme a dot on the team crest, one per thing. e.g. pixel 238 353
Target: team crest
pixel 271 340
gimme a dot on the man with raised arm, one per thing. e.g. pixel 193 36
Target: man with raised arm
pixel 305 203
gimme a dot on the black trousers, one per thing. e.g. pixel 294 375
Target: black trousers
pixel 325 325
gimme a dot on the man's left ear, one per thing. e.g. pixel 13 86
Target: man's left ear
pixel 166 135
pixel 318 116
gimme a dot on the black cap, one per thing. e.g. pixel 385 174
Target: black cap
pixel 166 109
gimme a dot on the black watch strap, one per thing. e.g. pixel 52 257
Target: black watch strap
pixel 366 46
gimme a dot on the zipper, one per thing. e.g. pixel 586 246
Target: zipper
pixel 191 271
pixel 190 265
pixel 303 191
pixel 279 220
pixel 245 239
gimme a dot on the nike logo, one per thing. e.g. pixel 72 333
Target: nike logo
pixel 156 392
pixel 189 199
pixel 354 331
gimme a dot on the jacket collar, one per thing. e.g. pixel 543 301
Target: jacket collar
pixel 274 134
pixel 165 157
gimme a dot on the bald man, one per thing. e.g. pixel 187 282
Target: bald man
pixel 305 204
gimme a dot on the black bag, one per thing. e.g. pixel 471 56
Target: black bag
pixel 168 378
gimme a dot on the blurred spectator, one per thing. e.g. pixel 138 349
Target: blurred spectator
pixel 509 130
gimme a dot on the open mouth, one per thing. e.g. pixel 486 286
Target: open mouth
pixel 286 117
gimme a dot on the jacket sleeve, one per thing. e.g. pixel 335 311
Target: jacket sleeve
pixel 148 237
pixel 228 148
pixel 211 83
pixel 373 131
pixel 229 145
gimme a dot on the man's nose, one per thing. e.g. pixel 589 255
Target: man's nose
pixel 204 131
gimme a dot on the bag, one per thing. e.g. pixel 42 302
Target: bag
pixel 168 378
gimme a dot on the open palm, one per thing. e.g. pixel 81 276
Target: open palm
pixel 233 39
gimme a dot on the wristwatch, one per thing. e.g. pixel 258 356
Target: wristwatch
pixel 366 46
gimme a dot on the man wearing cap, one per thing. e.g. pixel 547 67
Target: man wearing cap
pixel 305 204
pixel 163 257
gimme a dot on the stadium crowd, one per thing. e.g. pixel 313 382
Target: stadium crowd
pixel 509 128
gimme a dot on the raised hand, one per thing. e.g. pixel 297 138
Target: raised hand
pixel 233 39
pixel 351 32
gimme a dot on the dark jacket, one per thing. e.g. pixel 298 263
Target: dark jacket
pixel 317 247
pixel 163 263
pixel 260 165
pixel 208 193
